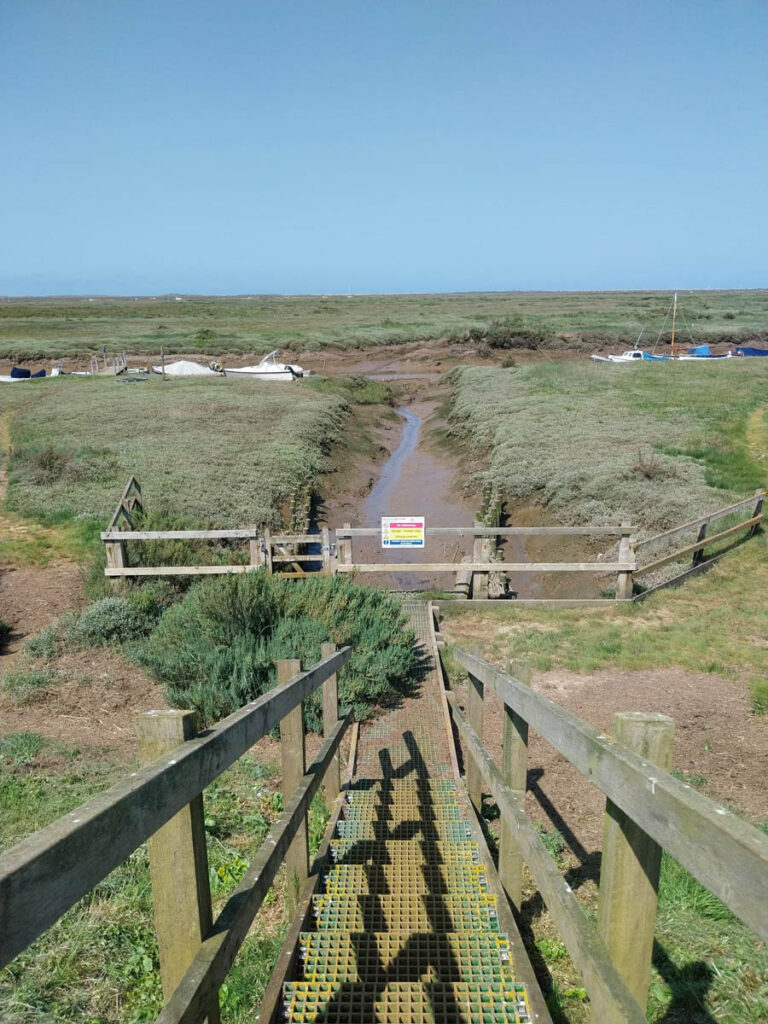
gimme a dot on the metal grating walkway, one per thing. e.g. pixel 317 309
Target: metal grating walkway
pixel 406 931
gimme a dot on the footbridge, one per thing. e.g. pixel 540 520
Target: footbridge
pixel 405 914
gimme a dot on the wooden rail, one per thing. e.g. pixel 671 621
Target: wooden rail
pixel 703 540
pixel 647 810
pixel 44 875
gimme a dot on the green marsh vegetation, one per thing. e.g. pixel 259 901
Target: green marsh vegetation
pixel 50 328
pixel 229 453
pixel 99 963
pixel 654 444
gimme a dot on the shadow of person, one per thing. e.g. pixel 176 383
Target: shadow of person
pixel 689 984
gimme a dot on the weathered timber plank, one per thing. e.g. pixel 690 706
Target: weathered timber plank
pixel 282 558
pixel 332 783
pixel 601 567
pixel 456 607
pixel 695 570
pixel 728 856
pixel 514 771
pixel 611 1001
pixel 247 534
pixel 694 524
pixel 631 861
pixel 495 531
pixel 180 570
pixel 294 768
pixel 178 861
pixel 690 548
pixel 211 965
pixel 44 875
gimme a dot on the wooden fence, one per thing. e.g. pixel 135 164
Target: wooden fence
pixel 647 810
pixel 45 874
pixel 286 554
pixel 275 551
pixel 696 550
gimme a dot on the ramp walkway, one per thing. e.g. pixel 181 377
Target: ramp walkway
pixel 407 925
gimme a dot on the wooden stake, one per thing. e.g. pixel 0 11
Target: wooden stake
pixel 514 769
pixel 624 581
pixel 475 716
pixel 330 718
pixel 178 861
pixel 631 862
pixel 294 766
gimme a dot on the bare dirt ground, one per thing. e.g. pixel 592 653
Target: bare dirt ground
pixel 716 739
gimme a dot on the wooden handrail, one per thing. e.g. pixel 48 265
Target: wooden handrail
pixel 210 966
pixel 495 531
pixel 704 837
pixel 699 545
pixel 607 990
pixel 44 875
pixel 601 567
pixel 696 523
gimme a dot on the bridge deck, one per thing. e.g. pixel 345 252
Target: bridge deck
pixel 407 925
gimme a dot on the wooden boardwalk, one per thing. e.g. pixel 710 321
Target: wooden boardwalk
pixel 408 927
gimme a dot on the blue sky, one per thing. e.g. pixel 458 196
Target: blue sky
pixel 228 146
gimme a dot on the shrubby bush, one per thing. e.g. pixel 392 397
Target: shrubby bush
pixel 113 620
pixel 215 650
pixel 5 632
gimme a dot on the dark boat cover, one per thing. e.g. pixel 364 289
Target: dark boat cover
pixel 20 372
pixel 40 373
pixel 745 350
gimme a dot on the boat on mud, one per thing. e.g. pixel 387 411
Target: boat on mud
pixel 632 355
pixel 694 354
pixel 267 369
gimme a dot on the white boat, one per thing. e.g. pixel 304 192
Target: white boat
pixel 632 355
pixel 267 369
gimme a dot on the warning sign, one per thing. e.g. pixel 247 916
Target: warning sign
pixel 402 531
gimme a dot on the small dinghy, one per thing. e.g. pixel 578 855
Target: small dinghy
pixel 632 355
pixel 267 369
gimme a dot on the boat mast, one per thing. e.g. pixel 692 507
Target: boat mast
pixel 674 315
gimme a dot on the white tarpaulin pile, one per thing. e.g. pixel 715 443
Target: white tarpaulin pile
pixel 186 368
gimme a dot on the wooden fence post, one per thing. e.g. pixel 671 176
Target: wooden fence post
pixel 268 549
pixel 480 579
pixel 514 769
pixel 757 510
pixel 347 560
pixel 326 551
pixel 293 760
pixel 178 861
pixel 698 556
pixel 115 557
pixel 475 717
pixel 631 861
pixel 624 582
pixel 330 718
pixel 255 554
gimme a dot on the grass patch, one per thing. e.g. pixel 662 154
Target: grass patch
pixel 28 683
pixel 592 442
pixel 21 748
